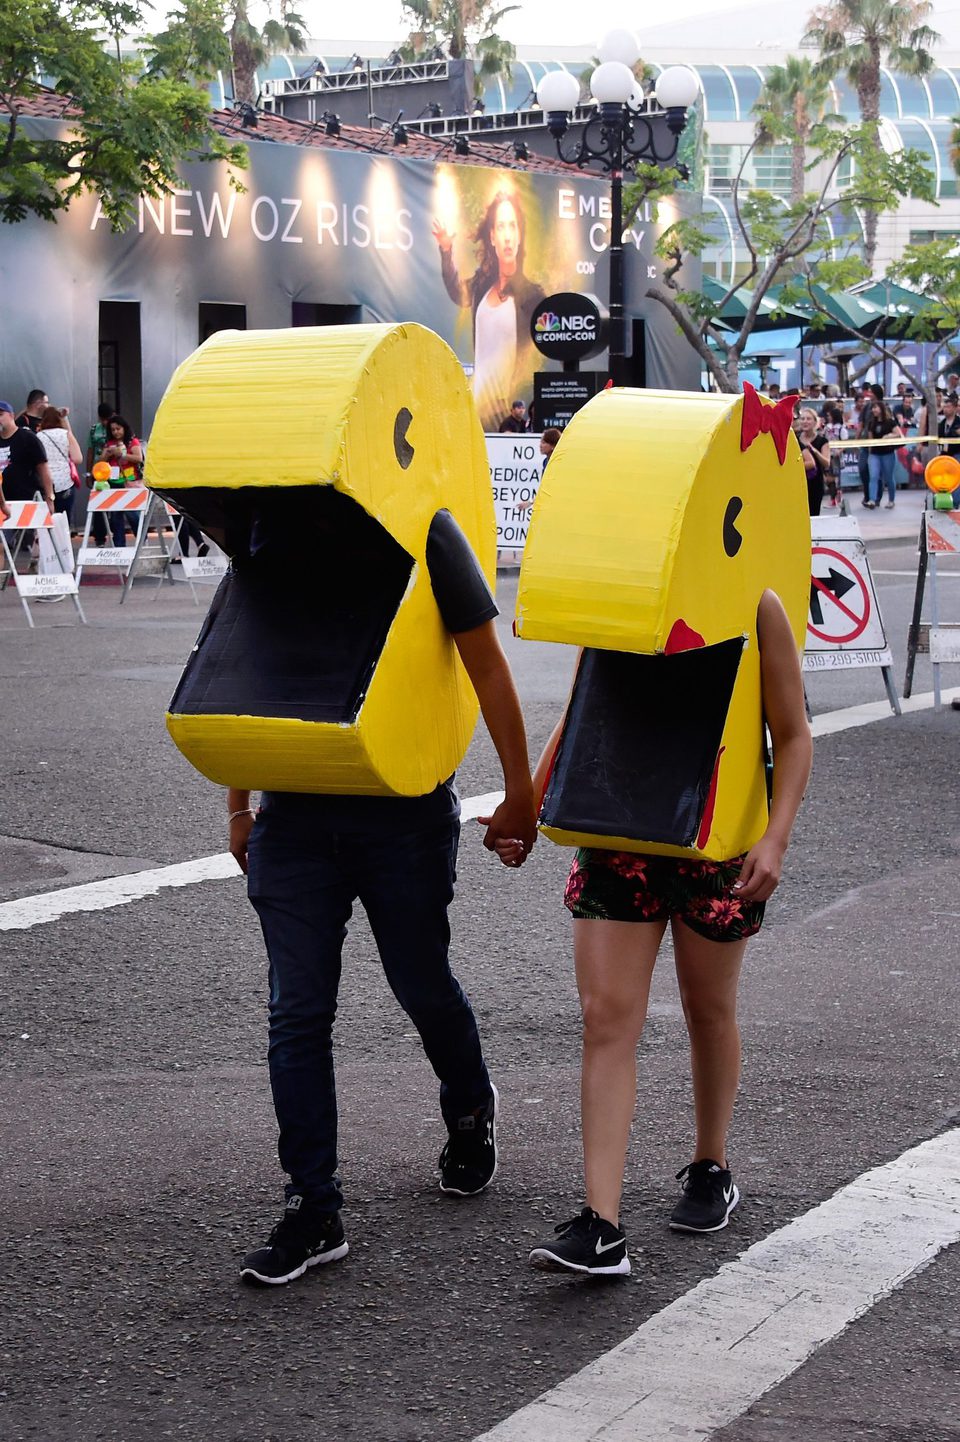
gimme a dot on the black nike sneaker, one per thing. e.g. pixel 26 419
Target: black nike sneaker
pixel 302 1238
pixel 468 1162
pixel 709 1196
pixel 586 1243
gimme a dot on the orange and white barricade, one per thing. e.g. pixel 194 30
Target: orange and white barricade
pixel 143 558
pixel 34 516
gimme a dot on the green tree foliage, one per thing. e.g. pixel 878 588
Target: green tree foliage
pixel 127 134
pixel 930 269
pixel 194 43
pixel 794 98
pixel 787 245
pixel 465 29
pixel 857 38
pixel 251 48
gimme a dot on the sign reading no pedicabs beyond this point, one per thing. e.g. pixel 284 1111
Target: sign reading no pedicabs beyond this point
pixel 567 326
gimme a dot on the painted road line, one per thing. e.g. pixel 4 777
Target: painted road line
pixel 704 1360
pixel 31 911
pixel 120 890
pixel 848 717
pixel 114 891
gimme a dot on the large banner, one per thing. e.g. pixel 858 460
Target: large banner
pixel 464 249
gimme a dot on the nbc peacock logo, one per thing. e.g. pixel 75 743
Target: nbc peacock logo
pixel 547 321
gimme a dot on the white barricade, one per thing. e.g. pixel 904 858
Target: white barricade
pixel 211 567
pixel 844 624
pixel 57 578
pixel 939 536
pixel 143 558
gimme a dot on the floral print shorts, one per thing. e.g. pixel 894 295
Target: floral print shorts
pixel 626 886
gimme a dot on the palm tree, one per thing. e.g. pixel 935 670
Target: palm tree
pixel 793 99
pixel 250 47
pixel 858 37
pixel 465 29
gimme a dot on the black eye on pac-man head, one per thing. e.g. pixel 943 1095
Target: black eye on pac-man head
pixel 402 448
pixel 732 539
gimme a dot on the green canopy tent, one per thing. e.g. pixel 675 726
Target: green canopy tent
pixel 769 317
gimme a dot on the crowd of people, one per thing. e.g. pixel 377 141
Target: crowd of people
pixel 824 417
pixel 40 456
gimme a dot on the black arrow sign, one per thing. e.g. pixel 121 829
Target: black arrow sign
pixel 836 583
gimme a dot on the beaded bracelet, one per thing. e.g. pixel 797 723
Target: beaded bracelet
pixel 244 811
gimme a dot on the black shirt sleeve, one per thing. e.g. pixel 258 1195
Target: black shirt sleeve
pixel 33 452
pixel 459 585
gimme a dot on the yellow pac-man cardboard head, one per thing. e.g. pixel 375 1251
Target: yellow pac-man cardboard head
pixel 319 459
pixel 661 520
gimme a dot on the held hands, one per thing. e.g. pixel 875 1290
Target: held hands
pixel 760 875
pixel 240 829
pixel 511 830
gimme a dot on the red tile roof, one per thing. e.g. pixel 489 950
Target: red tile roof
pixel 275 128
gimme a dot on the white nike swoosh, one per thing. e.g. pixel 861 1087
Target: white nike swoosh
pixel 727 1194
pixel 608 1246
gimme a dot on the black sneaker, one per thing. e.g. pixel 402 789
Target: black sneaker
pixel 301 1239
pixel 709 1196
pixel 586 1243
pixel 468 1162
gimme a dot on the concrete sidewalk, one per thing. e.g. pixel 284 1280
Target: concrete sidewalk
pixel 900 524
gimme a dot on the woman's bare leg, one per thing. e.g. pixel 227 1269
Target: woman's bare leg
pixel 614 962
pixel 708 973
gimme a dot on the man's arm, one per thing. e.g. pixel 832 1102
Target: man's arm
pixel 241 824
pixel 4 508
pixel 46 484
pixel 489 672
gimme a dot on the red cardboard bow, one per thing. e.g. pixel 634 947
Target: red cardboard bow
pixel 766 420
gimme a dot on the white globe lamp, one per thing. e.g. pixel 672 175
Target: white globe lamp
pixel 558 91
pixel 677 88
pixel 620 45
pixel 612 83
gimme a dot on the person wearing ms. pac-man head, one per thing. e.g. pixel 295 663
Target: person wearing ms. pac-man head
pixel 339 673
pixel 685 581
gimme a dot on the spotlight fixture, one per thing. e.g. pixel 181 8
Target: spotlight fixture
pixel 434 110
pixel 247 113
pixel 461 145
pixel 399 133
pixel 520 150
pixel 331 122
pixel 478 107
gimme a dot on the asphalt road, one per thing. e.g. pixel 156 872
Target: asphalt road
pixel 138 1137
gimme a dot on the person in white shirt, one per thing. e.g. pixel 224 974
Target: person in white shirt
pixel 61 447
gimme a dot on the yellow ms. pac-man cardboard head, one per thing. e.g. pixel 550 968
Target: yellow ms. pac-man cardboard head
pixel 318 458
pixel 661 520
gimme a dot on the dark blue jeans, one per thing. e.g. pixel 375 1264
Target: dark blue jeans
pixel 303 881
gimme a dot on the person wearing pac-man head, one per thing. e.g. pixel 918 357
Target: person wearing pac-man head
pixel 339 673
pixel 685 584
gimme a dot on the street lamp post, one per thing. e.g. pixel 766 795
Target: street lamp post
pixel 621 136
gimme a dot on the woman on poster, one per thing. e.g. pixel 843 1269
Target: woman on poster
pixel 502 300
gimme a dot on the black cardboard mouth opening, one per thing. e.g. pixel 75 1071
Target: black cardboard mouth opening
pixel 299 623
pixel 640 744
